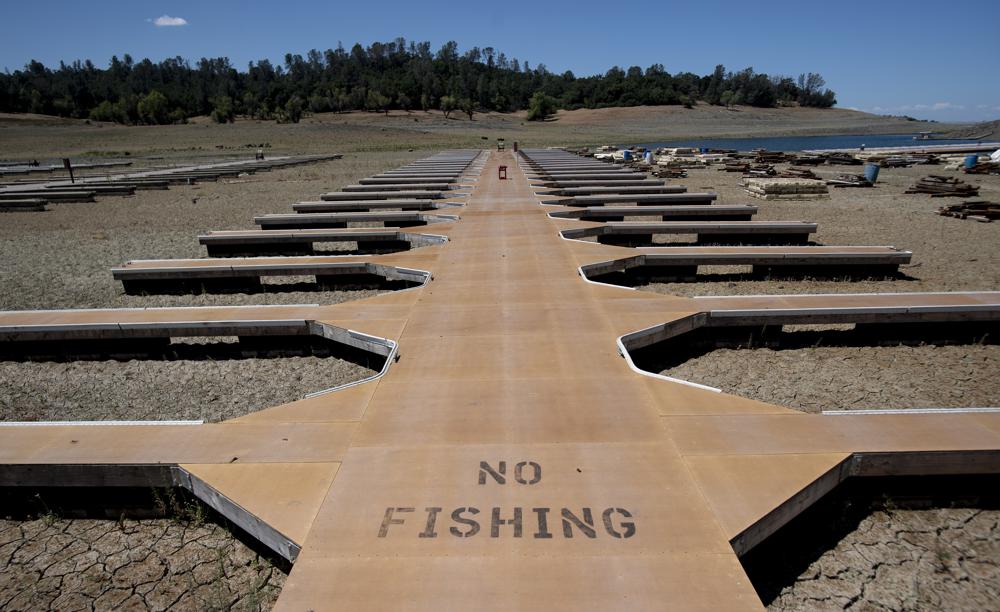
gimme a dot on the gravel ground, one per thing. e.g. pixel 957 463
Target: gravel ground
pixel 157 564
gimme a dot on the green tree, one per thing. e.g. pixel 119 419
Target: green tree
pixel 541 107
pixel 153 108
pixel 404 102
pixel 468 107
pixel 377 102
pixel 223 110
pixel 448 105
pixel 727 98
pixel 293 109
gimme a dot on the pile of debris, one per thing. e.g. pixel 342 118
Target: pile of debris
pixel 763 156
pixel 842 159
pixel 669 173
pixel 785 188
pixel 904 161
pixel 799 173
pixel 989 167
pixel 818 159
pixel 943 186
pixel 809 160
pixel 984 212
pixel 735 165
pixel 850 180
pixel 761 170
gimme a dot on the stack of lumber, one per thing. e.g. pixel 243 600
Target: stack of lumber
pixel 850 180
pixel 984 168
pixel 678 164
pixel 799 173
pixel 943 186
pixel 903 161
pixel 842 159
pixel 809 160
pixel 762 170
pixel 735 165
pixel 984 212
pixel 669 173
pixel 763 156
pixel 785 188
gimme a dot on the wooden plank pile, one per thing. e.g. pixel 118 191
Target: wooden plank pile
pixel 842 159
pixel 904 161
pixel 735 165
pixel 984 168
pixel 747 168
pixel 850 180
pixel 669 173
pixel 799 173
pixel 984 212
pixel 809 160
pixel 943 186
pixel 785 188
pixel 763 156
pixel 761 170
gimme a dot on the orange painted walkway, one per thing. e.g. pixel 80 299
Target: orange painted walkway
pixel 620 491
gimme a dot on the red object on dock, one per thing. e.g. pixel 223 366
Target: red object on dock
pixel 502 171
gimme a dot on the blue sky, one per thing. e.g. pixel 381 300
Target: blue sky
pixel 932 60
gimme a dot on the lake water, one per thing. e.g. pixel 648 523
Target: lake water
pixel 802 143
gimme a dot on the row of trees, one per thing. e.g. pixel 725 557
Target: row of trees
pixel 383 76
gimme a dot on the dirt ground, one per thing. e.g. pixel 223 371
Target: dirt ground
pixel 51 563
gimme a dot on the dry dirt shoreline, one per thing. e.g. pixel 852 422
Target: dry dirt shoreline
pixel 32 136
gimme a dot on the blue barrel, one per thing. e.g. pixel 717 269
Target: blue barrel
pixel 626 155
pixel 971 160
pixel 871 172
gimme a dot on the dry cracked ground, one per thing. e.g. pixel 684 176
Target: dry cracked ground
pixel 159 564
pixel 905 559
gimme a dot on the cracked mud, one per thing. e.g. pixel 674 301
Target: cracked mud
pixel 906 559
pixel 852 378
pixel 158 564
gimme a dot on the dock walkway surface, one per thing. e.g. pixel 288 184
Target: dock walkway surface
pixel 511 459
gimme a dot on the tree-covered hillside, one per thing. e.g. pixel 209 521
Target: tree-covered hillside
pixel 393 75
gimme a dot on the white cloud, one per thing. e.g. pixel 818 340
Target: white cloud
pixel 906 108
pixel 946 106
pixel 168 21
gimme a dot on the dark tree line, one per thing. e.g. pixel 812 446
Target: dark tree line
pixel 393 75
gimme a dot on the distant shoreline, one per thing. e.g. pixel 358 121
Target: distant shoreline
pixel 38 136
